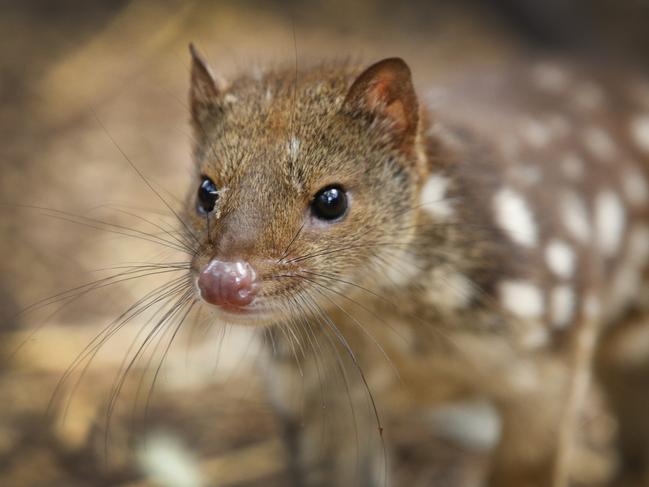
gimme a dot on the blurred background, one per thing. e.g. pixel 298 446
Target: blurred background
pixel 82 82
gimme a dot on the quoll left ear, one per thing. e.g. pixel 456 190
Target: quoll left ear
pixel 385 90
pixel 204 91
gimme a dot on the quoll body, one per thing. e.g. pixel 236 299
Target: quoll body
pixel 399 251
pixel 563 175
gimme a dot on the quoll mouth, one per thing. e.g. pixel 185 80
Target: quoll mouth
pixel 233 289
pixel 229 285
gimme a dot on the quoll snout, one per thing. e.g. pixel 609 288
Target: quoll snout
pixel 228 284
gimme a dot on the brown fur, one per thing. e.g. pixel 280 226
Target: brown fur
pixel 366 320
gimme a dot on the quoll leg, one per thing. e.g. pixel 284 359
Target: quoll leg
pixel 623 369
pixel 331 433
pixel 527 453
pixel 540 413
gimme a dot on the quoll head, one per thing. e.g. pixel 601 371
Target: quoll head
pixel 304 183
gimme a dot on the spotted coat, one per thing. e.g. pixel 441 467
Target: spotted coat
pixel 553 169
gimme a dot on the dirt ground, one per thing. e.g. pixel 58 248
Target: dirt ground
pixel 82 82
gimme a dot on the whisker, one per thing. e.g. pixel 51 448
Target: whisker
pixel 321 290
pixel 192 303
pixel 350 353
pixel 92 348
pixel 98 224
pixel 167 231
pixel 286 250
pixel 117 388
pixel 152 238
pixel 74 294
pixel 144 179
pixel 79 291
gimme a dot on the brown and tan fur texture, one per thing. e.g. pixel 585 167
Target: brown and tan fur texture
pixel 497 227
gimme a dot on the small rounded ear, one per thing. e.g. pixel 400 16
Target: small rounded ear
pixel 204 90
pixel 385 90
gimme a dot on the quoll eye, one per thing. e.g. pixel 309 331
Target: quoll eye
pixel 330 203
pixel 207 195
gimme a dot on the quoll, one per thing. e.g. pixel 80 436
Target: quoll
pixel 488 238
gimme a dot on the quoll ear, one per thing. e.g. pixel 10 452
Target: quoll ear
pixel 204 90
pixel 385 90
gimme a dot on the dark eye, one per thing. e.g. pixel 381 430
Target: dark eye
pixel 207 195
pixel 330 203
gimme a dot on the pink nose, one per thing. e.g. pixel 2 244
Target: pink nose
pixel 228 283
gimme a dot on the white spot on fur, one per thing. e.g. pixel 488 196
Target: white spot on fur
pixel 521 298
pixel 575 217
pixel 514 216
pixel 640 132
pixel 230 99
pixel 572 166
pixel 560 258
pixel 401 268
pixel 293 148
pixel 449 289
pixel 550 77
pixel 599 143
pixel 562 305
pixel 609 222
pixel 168 463
pixel 269 94
pixel 635 186
pixel 474 424
pixel 536 133
pixel 433 197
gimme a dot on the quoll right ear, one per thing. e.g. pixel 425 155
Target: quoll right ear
pixel 204 91
pixel 385 90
